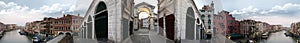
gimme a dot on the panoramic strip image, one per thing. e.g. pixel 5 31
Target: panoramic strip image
pixel 149 21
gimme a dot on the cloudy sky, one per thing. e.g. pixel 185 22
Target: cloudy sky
pixel 22 11
pixel 282 12
pixel 271 11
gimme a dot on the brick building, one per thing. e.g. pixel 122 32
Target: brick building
pixel 247 27
pixel 67 23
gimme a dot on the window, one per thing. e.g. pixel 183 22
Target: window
pixel 202 20
pixel 67 21
pixel 74 21
pixel 125 2
pixel 208 16
pixel 56 28
pixel 61 28
pixel 125 28
pixel 230 21
pixel 60 22
pixel 55 22
pixel 209 11
pixel 68 28
pixel 209 27
pixel 202 16
pixel 190 23
pixel 209 22
pixel 202 10
pixel 75 28
pixel 198 21
pixel 221 25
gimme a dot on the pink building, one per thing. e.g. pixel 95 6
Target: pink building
pixel 219 24
pixel 227 22
pixel 232 24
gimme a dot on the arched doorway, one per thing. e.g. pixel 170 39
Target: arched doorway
pixel 190 24
pixel 144 17
pixel 101 22
pixel 170 27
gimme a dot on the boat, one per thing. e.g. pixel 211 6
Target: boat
pixel 2 33
pixel 265 35
pixel 22 33
pixel 35 39
pixel 287 34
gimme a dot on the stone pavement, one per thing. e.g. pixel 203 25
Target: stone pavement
pixel 140 36
pixel 147 36
pixel 82 40
pixel 155 38
pixel 140 39
pixel 221 39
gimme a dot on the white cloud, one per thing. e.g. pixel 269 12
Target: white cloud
pixel 6 5
pixel 276 19
pixel 249 9
pixel 72 8
pixel 285 14
pixel 285 8
pixel 83 4
pixel 12 13
pixel 54 8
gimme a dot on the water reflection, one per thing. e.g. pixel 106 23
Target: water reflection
pixel 14 37
pixel 278 37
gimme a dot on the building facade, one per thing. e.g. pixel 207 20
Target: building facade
pixel 276 27
pixel 207 16
pixel 295 28
pixel 108 21
pixel 232 25
pixel 67 23
pixel 263 27
pixel 247 27
pixel 178 20
pixel 53 26
pixel 219 23
pixel 144 8
pixel 145 23
pixel 113 20
pixel 11 26
pixel 2 26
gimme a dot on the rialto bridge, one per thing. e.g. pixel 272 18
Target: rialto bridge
pixel 114 21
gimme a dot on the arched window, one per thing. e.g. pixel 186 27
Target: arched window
pixel 202 16
pixel 100 22
pixel 190 24
pixel 208 16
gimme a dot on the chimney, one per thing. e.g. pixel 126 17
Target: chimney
pixel 64 15
pixel 78 14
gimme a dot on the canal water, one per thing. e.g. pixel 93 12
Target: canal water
pixel 14 37
pixel 278 37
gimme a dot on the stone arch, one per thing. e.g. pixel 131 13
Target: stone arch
pixel 190 23
pixel 101 22
pixel 89 26
pixel 143 9
pixel 60 33
pixel 68 33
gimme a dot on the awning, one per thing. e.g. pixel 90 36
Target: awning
pixel 235 35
